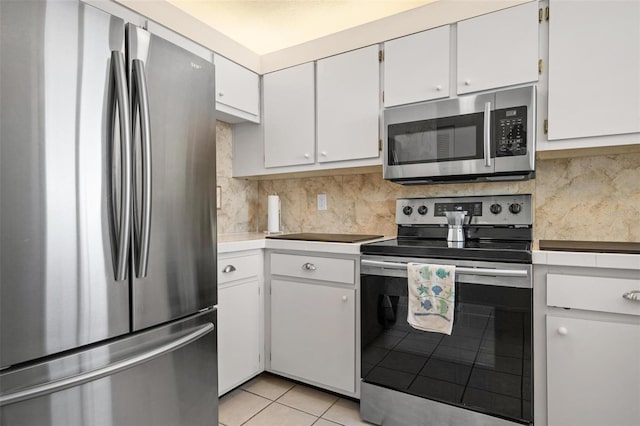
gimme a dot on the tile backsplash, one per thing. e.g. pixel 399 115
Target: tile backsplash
pixel 588 198
pixel 358 203
pixel 239 198
pixel 584 198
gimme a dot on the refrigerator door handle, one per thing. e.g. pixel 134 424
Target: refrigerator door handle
pixel 121 227
pixel 141 110
pixel 69 382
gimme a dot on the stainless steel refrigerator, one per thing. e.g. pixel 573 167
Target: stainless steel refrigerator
pixel 107 176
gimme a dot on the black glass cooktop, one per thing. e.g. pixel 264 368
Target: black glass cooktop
pixel 330 238
pixel 493 250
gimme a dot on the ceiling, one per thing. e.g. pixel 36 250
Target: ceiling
pixel 265 26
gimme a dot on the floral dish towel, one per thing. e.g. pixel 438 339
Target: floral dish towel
pixel 431 297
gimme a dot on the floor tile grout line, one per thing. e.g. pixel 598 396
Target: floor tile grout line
pixel 327 410
pixel 259 411
pixel 303 411
pixel 299 409
pixel 276 402
pixel 262 396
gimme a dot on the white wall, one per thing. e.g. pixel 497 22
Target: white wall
pixel 432 15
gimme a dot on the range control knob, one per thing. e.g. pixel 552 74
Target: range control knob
pixel 422 210
pixel 407 210
pixel 495 208
pixel 515 208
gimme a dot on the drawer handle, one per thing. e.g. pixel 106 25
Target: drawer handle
pixel 228 268
pixel 563 331
pixel 309 267
pixel 633 295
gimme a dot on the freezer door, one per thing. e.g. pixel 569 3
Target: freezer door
pixel 174 180
pixel 166 376
pixel 57 257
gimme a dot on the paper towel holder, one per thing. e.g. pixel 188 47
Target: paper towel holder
pixel 277 217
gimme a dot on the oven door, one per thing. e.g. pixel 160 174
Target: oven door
pixel 483 366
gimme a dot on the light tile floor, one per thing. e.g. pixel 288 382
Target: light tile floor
pixel 270 400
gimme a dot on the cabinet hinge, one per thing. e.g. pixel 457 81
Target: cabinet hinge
pixel 540 15
pixel 258 291
pixel 383 96
pixel 380 145
pixel 546 126
pixel 380 55
pixel 540 66
pixel 546 13
pixel 269 356
pixel 259 358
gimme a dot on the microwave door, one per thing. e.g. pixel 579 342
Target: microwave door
pixel 455 145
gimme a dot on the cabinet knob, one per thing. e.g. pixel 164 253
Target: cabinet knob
pixel 323 153
pixel 221 94
pixel 228 268
pixel 306 155
pixel 467 82
pixel 344 298
pixel 309 267
pixel 563 331
pixel 633 295
pixel 438 88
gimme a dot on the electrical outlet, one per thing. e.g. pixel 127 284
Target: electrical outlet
pixel 322 201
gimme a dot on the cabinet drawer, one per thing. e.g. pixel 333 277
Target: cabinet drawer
pixel 592 293
pixel 238 267
pixel 312 267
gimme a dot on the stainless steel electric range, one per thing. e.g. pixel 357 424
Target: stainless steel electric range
pixel 481 373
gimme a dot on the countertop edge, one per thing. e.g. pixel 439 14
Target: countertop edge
pixel 587 259
pixel 251 241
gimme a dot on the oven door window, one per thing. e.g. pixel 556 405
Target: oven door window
pixel 485 365
pixel 437 140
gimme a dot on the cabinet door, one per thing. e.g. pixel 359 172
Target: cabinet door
pixel 348 105
pixel 237 91
pixel 593 372
pixel 289 116
pixel 594 68
pixel 416 67
pixel 498 49
pixel 239 324
pixel 313 333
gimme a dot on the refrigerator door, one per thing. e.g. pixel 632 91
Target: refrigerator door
pixel 174 263
pixel 62 216
pixel 166 376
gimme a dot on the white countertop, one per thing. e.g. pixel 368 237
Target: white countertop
pixel 230 243
pixel 588 260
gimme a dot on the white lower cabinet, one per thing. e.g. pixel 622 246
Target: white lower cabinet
pixel 313 319
pixel 240 320
pixel 313 333
pixel 586 343
pixel 593 372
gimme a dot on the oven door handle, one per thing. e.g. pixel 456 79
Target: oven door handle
pixel 459 269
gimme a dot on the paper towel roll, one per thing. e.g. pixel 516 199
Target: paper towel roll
pixel 273 213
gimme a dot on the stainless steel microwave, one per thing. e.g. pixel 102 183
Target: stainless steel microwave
pixel 483 137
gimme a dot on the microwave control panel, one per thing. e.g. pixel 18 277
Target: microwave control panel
pixel 511 131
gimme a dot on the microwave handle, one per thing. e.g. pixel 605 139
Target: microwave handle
pixel 487 134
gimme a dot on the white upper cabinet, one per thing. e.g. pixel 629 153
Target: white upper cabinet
pixel 237 92
pixel 594 68
pixel 416 67
pixel 348 105
pixel 498 49
pixel 289 116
